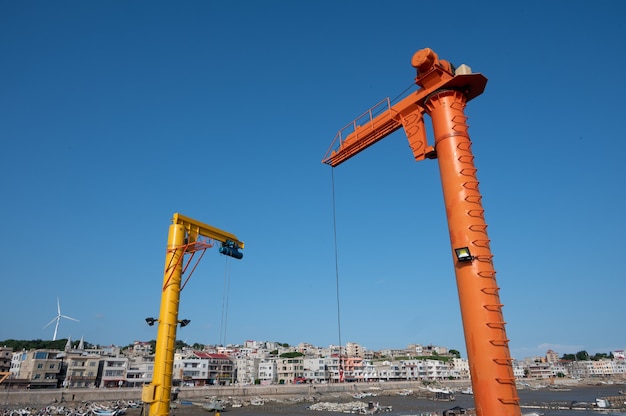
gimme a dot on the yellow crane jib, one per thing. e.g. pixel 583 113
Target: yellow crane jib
pixel 184 238
pixel 230 243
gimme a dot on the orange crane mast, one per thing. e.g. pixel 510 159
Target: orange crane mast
pixel 443 94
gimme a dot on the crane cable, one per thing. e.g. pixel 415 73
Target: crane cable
pixel 337 252
pixel 225 297
pixel 336 271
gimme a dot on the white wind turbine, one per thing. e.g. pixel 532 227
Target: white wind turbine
pixel 58 319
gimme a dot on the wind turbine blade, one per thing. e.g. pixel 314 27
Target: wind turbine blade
pixel 53 319
pixel 67 317
pixel 58 306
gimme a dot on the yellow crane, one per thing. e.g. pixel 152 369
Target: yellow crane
pixel 4 375
pixel 185 237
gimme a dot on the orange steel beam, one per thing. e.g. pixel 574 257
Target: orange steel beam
pixel 443 95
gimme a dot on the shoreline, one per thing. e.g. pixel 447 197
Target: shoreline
pixel 278 396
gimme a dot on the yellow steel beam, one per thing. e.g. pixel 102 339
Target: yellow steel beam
pixel 195 228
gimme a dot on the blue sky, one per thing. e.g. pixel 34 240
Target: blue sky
pixel 115 115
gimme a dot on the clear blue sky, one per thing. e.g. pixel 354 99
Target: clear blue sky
pixel 114 115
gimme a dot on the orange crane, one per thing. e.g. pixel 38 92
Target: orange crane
pixel 185 237
pixel 443 93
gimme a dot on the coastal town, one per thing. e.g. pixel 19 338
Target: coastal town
pixel 273 363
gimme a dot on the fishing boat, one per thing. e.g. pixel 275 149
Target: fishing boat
pixel 214 405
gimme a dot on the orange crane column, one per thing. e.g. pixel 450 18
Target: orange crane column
pixel 492 376
pixel 168 321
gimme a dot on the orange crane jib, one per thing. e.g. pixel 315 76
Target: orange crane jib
pixel 433 75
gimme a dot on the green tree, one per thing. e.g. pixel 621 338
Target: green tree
pixel 455 353
pixel 292 354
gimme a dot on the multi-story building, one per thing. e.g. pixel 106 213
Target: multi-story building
pixel 539 369
pixel 247 370
pixel 619 367
pixel 559 369
pixel 268 373
pixel 140 369
pixel 290 370
pixel 519 369
pixel 142 348
pixel 36 368
pixel 5 359
pixel 580 369
pixel 81 370
pixel 333 373
pixel 370 372
pixel 353 368
pixel 552 357
pixel 354 350
pixel 315 370
pixel 461 368
pixel 220 368
pixel 114 372
pixel 412 369
pixel 388 371
pixel 393 353
pixel 190 371
pixel 602 368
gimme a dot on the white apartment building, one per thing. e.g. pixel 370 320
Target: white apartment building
pixel 190 371
pixel 558 369
pixel 370 371
pixel 412 370
pixel 332 368
pixel 268 373
pixel 519 369
pixel 437 370
pixel 315 370
pixel 461 369
pixel 140 370
pixel 247 369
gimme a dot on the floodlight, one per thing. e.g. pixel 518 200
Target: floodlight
pixel 463 254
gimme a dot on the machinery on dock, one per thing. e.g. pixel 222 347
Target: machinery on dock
pixel 443 93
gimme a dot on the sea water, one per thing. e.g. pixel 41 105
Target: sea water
pixel 533 402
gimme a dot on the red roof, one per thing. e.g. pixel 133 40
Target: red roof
pixel 201 354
